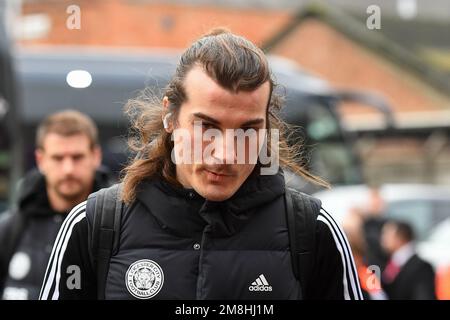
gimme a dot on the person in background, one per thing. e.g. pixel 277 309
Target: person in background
pixel 443 283
pixel 406 276
pixel 368 276
pixel 374 219
pixel 68 157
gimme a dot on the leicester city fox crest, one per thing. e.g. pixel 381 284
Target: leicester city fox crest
pixel 144 279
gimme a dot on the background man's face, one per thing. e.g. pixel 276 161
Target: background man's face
pixel 218 108
pixel 390 241
pixel 68 164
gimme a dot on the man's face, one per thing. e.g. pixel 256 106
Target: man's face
pixel 389 239
pixel 217 108
pixel 68 164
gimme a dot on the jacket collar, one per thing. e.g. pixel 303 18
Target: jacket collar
pixel 402 255
pixel 184 212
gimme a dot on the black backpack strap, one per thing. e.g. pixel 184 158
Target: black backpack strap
pixel 302 211
pixel 107 208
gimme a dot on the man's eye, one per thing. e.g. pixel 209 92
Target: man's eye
pixel 56 158
pixel 207 125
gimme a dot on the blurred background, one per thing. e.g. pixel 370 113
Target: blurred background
pixel 367 81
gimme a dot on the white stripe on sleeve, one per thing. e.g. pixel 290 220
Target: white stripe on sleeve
pixel 59 247
pixel 350 276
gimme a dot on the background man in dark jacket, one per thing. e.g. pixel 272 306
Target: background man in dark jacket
pixel 406 276
pixel 211 227
pixel 67 156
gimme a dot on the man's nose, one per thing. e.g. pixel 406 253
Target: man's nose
pixel 226 153
pixel 68 165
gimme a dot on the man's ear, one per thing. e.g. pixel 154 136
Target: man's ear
pixel 39 156
pixel 166 117
pixel 97 156
pixel 166 103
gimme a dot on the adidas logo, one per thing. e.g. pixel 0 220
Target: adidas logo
pixel 260 284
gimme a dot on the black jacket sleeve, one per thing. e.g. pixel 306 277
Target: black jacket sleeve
pixel 334 274
pixel 424 288
pixel 5 225
pixel 70 274
pixel 12 225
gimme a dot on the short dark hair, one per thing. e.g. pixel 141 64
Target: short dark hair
pixel 403 229
pixel 67 123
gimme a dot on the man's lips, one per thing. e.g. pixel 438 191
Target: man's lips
pixel 68 181
pixel 221 174
pixel 215 176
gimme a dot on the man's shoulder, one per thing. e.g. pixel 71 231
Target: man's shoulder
pixel 79 211
pixel 110 199
pixel 419 264
pixel 7 218
pixel 107 194
pixel 329 231
pixel 112 189
pixel 299 196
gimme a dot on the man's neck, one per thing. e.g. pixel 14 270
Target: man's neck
pixel 59 204
pixel 403 254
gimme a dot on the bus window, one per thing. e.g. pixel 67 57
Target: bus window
pixel 331 155
pixel 326 147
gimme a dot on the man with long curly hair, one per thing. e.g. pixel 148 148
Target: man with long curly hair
pixel 199 207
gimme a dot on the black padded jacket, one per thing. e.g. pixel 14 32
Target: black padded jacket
pixel 174 244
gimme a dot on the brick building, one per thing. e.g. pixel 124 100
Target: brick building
pixel 324 40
